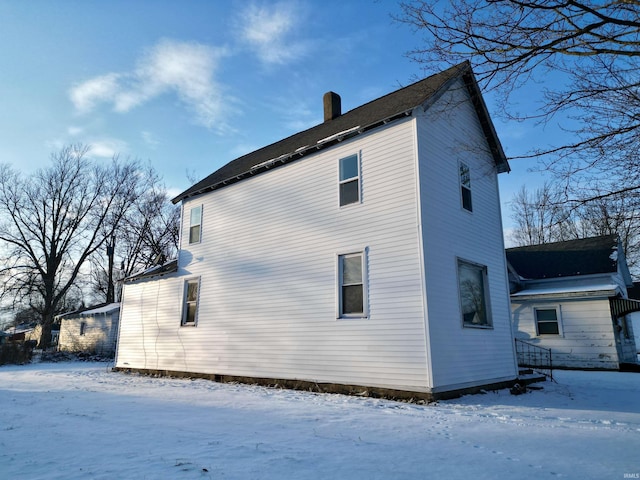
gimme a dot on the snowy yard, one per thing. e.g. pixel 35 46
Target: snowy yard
pixel 79 420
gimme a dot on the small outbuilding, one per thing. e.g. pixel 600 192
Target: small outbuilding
pixel 92 330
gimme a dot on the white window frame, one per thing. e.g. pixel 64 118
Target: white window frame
pixel 340 314
pixel 343 181
pixel 198 224
pixel 558 320
pixel 486 294
pixel 464 177
pixel 186 302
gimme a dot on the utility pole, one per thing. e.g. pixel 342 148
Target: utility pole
pixel 111 246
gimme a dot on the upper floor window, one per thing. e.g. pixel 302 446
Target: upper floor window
pixel 195 224
pixel 474 298
pixel 190 305
pixel 352 285
pixel 465 187
pixel 349 180
pixel 547 321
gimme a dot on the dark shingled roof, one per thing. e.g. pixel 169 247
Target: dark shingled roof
pixel 565 259
pixel 370 115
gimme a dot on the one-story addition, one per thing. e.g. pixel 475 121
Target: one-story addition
pixel 571 298
pixel 362 255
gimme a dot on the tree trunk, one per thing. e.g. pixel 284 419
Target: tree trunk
pixel 45 334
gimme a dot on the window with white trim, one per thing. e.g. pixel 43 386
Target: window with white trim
pixel 474 294
pixel 349 180
pixel 195 224
pixel 352 285
pixel 190 304
pixel 465 187
pixel 547 321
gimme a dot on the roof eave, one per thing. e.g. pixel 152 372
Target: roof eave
pixel 499 157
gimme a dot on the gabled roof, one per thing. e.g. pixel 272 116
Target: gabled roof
pixel 390 107
pixel 585 256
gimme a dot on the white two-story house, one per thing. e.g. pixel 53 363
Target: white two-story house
pixel 364 254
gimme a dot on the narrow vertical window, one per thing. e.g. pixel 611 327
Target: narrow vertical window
pixel 195 224
pixel 547 321
pixel 472 284
pixel 83 328
pixel 349 180
pixel 190 307
pixel 465 187
pixel 352 292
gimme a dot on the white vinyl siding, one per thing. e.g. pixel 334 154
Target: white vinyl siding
pixel 268 276
pixel 450 133
pixel 587 339
pixel 92 334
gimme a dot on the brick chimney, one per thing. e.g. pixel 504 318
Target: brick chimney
pixel 332 106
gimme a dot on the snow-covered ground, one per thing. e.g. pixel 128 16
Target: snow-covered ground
pixel 78 420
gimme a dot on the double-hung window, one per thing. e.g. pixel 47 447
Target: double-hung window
pixel 474 295
pixel 195 224
pixel 190 304
pixel 352 285
pixel 465 187
pixel 349 180
pixel 547 321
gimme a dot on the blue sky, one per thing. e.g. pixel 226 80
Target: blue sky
pixel 191 85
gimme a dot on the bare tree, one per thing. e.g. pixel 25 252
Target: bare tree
pixel 541 217
pixel 512 44
pixel 52 221
pixel 146 235
pixel 614 215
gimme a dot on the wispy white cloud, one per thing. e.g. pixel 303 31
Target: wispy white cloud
pixel 268 30
pixel 74 131
pixel 87 95
pixel 150 139
pixel 186 69
pixel 107 148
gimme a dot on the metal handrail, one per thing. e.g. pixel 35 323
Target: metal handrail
pixel 534 357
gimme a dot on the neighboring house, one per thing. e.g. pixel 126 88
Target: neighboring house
pixel 23 332
pixel 362 255
pixel 93 330
pixel 29 332
pixel 634 293
pixel 571 297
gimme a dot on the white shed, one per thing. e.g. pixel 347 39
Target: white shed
pixel 93 330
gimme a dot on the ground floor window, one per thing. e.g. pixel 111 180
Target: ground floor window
pixel 547 321
pixel 352 294
pixel 474 298
pixel 190 306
